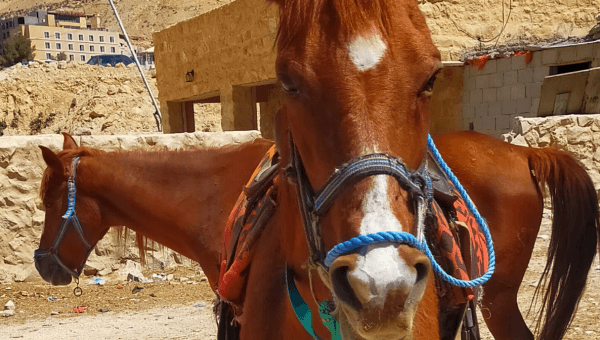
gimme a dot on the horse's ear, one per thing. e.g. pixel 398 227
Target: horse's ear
pixel 69 142
pixel 52 160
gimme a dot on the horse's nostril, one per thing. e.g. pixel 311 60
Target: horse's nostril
pixel 422 271
pixel 343 289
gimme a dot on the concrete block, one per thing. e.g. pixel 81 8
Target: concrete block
pixel 585 52
pixel 503 122
pixel 517 62
pixel 496 79
pixel 495 109
pixel 469 111
pixel 511 77
pixel 470 82
pixel 540 72
pixel 509 107
pixel 482 82
pixel 535 104
pixel 490 67
pixel 465 98
pixel 525 76
pixel 484 123
pixel 503 93
pixel 503 64
pixel 550 56
pixel 481 110
pixel 476 96
pixel 489 95
pixel 466 72
pixel 523 105
pixel 517 91
pixel 567 54
pixel 536 59
pixel 533 90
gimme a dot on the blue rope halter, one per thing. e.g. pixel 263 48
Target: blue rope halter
pixel 69 218
pixel 407 238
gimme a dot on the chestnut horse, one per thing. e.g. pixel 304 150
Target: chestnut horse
pixel 179 198
pixel 358 76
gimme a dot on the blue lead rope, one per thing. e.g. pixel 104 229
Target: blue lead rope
pixel 407 238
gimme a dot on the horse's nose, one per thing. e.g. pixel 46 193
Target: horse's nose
pixel 387 278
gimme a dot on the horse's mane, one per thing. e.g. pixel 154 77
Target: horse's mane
pixel 346 17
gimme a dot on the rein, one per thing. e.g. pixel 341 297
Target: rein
pixel 417 183
pixel 69 218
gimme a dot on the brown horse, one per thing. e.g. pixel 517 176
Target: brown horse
pixel 179 198
pixel 358 76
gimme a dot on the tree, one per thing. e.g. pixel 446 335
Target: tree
pixel 16 49
pixel 61 56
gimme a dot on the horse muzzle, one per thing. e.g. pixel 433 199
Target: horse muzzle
pixel 379 289
pixel 51 271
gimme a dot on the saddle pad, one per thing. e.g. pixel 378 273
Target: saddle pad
pixel 244 226
pixel 446 240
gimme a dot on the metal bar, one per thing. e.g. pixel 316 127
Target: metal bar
pixel 157 114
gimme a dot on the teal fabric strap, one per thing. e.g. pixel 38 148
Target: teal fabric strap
pixel 304 314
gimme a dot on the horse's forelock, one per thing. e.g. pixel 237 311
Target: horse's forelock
pixel 347 17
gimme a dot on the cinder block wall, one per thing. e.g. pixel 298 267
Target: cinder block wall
pixel 506 88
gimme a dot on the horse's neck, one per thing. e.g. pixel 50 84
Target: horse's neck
pixel 173 201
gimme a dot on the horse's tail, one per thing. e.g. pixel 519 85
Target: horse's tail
pixel 575 236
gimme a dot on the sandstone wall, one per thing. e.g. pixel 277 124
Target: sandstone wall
pixel 21 168
pixel 578 134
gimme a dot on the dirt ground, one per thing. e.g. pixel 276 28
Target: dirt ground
pixel 182 308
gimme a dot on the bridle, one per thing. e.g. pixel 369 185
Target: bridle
pixel 68 219
pixel 314 205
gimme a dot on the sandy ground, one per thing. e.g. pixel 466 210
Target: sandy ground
pixel 182 308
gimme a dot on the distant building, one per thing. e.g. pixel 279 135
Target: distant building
pixel 146 57
pixel 79 36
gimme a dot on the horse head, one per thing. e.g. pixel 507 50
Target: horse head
pixel 358 77
pixel 72 224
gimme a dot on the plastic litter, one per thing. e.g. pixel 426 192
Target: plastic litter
pixel 97 281
pixel 52 298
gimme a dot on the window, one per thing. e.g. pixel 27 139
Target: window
pixel 47 45
pixel 82 48
pixel 91 37
pixel 71 57
pixel 57 35
pixel 70 47
pixel 112 39
pixel 47 35
pixel 91 48
pixel 102 49
pixel 101 38
pixel 81 37
pixel 70 36
pixel 58 46
pixel 112 50
pixel 82 58
pixel 48 55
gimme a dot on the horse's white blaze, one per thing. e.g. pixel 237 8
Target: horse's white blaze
pixel 379 267
pixel 366 52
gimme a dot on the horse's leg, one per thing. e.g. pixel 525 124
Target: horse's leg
pixel 496 175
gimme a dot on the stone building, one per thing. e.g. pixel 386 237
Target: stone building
pixel 79 36
pixel 227 56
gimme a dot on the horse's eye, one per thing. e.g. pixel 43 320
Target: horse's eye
pixel 427 88
pixel 288 85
